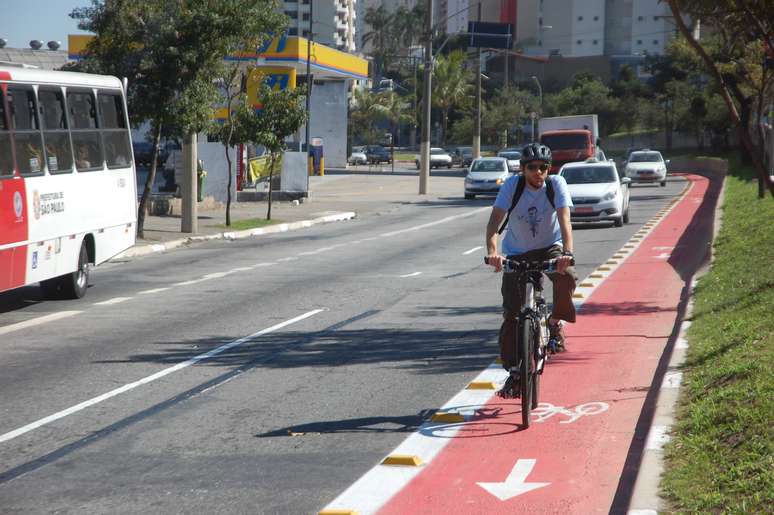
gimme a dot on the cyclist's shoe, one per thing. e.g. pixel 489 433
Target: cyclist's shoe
pixel 556 341
pixel 510 389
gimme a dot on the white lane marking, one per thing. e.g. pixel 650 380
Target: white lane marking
pixel 37 321
pixel 437 222
pixel 471 251
pixel 188 283
pixel 154 290
pixel 241 269
pixel 372 490
pixel 313 252
pixel 117 300
pixel 657 438
pixel 411 275
pixel 672 380
pixel 145 380
pixel 663 255
pixel 291 258
pixel 257 265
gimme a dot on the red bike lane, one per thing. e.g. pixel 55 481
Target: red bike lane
pixel 583 445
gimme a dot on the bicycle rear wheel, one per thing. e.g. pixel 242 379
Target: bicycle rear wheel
pixel 525 342
pixel 534 359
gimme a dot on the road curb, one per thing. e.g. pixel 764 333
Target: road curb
pixel 144 250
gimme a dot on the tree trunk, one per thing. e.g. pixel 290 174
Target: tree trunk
pixel 271 183
pixel 764 180
pixel 146 192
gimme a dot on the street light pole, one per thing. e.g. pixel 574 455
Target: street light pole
pixel 424 155
pixel 540 111
pixel 477 125
pixel 309 81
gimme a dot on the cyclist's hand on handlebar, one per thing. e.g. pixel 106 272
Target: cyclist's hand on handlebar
pixel 494 260
pixel 562 262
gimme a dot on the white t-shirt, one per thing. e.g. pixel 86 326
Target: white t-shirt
pixel 533 223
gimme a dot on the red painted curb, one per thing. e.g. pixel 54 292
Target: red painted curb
pixel 597 390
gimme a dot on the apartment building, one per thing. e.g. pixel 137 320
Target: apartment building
pixel 572 28
pixel 638 27
pixel 334 22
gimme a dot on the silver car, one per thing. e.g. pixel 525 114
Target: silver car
pixel 646 166
pixel 485 176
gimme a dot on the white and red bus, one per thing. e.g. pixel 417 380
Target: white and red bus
pixel 68 193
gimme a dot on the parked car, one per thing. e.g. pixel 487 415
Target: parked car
pixel 485 176
pixel 598 194
pixel 646 166
pixel 358 156
pixel 512 155
pixel 438 158
pixel 377 154
pixel 462 156
pixel 143 152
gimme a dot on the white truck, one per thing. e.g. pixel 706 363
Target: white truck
pixel 570 138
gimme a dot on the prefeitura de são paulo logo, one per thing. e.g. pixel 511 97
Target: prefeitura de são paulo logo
pixel 18 206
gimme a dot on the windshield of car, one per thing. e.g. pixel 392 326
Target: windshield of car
pixel 645 157
pixel 436 151
pixel 489 165
pixel 589 174
pixel 465 151
pixel 564 141
pixel 513 156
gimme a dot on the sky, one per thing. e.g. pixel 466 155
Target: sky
pixel 24 20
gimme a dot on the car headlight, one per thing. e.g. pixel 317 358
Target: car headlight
pixel 499 181
pixel 610 195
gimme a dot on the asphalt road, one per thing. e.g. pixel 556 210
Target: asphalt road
pixel 340 340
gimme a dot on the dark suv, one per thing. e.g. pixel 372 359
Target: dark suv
pixel 377 154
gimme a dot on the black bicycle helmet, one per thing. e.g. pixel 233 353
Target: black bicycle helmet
pixel 535 152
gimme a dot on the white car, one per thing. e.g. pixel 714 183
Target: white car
pixel 358 156
pixel 513 156
pixel 598 194
pixel 485 176
pixel 438 158
pixel 646 166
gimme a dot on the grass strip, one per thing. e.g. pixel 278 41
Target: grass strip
pixel 248 223
pixel 721 458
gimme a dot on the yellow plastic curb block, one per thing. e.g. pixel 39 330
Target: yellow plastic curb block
pixel 629 246
pixel 339 512
pixel 619 256
pixel 586 285
pixel 447 417
pixel 604 269
pixel 592 276
pixel 403 460
pixel 482 385
pixel 577 295
pixel 611 262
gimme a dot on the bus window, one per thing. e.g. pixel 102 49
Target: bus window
pixel 83 127
pixel 115 133
pixel 6 157
pixel 26 136
pixel 59 154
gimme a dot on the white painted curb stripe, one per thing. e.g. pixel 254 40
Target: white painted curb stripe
pixel 158 375
pixel 437 222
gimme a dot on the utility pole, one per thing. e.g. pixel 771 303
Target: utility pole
pixel 309 82
pixel 477 125
pixel 424 156
pixel 189 219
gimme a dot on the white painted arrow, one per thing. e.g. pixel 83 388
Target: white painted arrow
pixel 516 482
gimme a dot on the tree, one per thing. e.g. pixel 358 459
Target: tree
pixel 170 51
pixel 281 114
pixel 395 109
pixel 451 86
pixel 380 36
pixel 587 94
pixel 734 58
pixel 363 116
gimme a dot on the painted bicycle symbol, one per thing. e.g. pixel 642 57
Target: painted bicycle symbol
pixel 546 410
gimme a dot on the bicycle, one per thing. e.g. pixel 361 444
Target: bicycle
pixel 532 337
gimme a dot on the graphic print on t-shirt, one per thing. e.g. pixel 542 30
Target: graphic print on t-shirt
pixel 532 220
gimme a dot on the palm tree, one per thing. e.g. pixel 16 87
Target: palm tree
pixel 451 85
pixel 364 111
pixel 381 23
pixel 395 109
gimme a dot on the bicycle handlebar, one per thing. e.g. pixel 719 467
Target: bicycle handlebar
pixel 516 265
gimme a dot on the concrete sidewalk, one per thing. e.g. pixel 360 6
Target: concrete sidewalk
pixel 337 196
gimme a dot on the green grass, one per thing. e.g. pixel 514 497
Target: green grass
pixel 721 457
pixel 248 223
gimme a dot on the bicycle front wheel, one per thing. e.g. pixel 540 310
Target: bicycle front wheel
pixel 534 360
pixel 525 344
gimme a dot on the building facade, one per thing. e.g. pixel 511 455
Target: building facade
pixel 333 22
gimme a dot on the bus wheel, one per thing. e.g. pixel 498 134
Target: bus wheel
pixel 69 286
pixel 74 285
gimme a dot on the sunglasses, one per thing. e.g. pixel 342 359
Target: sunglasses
pixel 533 167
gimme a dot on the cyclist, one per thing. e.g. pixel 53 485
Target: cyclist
pixel 538 228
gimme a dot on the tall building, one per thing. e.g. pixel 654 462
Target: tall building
pixel 334 22
pixel 637 28
pixel 572 28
